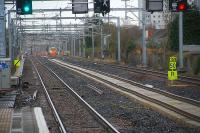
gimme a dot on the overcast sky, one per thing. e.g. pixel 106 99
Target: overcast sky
pixel 67 4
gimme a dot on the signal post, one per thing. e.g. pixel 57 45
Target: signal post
pixel 179 6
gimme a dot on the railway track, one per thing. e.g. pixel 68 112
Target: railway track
pixel 181 78
pixel 55 112
pixel 183 89
pixel 151 88
pixel 173 103
pixel 102 125
pixel 186 79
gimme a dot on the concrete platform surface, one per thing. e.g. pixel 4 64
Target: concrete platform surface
pixel 24 120
pixel 7 100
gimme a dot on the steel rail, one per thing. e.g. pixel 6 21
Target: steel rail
pixel 57 117
pixel 182 78
pixel 98 116
pixel 154 73
pixel 158 74
pixel 168 94
pixel 158 102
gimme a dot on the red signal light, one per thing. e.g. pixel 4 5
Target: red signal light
pixel 182 6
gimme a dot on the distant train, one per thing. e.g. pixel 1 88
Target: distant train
pixel 52 52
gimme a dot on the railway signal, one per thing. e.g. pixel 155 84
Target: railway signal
pixel 178 5
pixel 105 7
pixel 97 6
pixel 24 7
pixel 182 6
pixel 102 6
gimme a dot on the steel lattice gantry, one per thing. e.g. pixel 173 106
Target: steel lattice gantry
pixel 56 18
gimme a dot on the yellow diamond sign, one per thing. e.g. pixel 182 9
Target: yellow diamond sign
pixel 17 63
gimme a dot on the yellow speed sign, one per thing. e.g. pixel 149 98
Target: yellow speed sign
pixel 172 73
